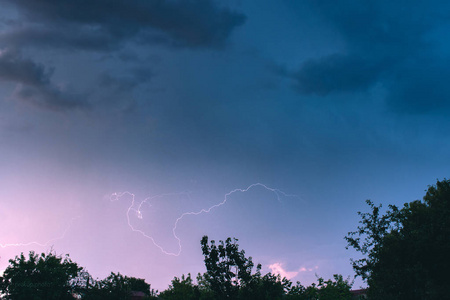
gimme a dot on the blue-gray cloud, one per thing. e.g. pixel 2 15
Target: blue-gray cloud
pixel 17 69
pixel 103 25
pixel 385 43
pixel 34 83
pixel 337 73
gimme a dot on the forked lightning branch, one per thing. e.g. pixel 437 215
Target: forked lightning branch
pixel 135 209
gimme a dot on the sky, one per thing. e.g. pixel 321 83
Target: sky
pixel 131 128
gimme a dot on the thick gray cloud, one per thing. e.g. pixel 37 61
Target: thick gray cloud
pixel 386 43
pixel 34 84
pixel 381 27
pixel 17 69
pixel 69 37
pixel 102 24
pixel 337 73
pixel 50 97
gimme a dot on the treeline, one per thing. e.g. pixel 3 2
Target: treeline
pixel 229 275
pixel 405 255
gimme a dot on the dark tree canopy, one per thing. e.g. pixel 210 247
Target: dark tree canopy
pixel 226 267
pixel 117 287
pixel 45 276
pixel 49 276
pixel 229 276
pixel 406 251
pixel 184 288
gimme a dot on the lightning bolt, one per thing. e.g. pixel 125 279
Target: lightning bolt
pixel 138 213
pixel 45 244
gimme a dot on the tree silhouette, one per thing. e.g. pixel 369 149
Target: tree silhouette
pixel 45 276
pixel 406 250
pixel 184 289
pixel 118 287
pixel 229 276
pixel 227 268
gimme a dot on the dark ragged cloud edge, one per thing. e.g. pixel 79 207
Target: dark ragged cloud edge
pixel 69 38
pixel 101 25
pixel 34 83
pixel 51 98
pixel 344 73
pixel 385 44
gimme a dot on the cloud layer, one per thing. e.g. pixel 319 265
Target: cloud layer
pixel 100 26
pixel 386 44
pixel 103 25
pixel 34 84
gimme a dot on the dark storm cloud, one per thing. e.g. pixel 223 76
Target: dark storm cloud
pixel 102 24
pixel 381 27
pixel 34 85
pixel 385 42
pixel 337 73
pixel 17 69
pixel 69 37
pixel 49 97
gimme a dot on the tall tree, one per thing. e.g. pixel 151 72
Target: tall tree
pixel 183 289
pixel 406 250
pixel 226 267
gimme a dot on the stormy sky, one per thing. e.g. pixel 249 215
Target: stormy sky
pixel 182 103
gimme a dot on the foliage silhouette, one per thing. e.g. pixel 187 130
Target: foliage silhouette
pixel 406 250
pixel 227 268
pixel 184 289
pixel 45 276
pixel 117 287
pixel 229 276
